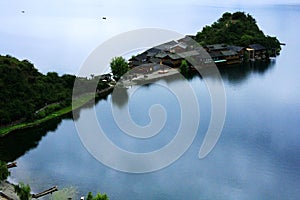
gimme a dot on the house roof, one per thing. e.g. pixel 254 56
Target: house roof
pixel 189 53
pixel 154 60
pixel 216 47
pixel 161 54
pixel 235 48
pixel 180 45
pixel 166 46
pixel 138 57
pixel 229 53
pixel 257 47
pixel 215 54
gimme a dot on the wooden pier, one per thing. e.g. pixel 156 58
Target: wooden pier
pixel 49 191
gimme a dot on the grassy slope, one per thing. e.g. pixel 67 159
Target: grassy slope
pixel 77 103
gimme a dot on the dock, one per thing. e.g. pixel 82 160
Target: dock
pixel 49 191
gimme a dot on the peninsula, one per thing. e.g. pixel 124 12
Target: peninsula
pixel 29 98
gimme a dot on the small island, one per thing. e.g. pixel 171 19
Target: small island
pixel 233 39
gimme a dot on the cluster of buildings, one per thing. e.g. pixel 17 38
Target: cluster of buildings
pixel 172 53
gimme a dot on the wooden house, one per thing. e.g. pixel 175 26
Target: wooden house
pixel 257 51
pixel 231 57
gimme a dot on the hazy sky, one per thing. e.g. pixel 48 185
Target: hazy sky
pixel 58 35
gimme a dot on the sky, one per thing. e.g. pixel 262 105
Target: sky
pixel 59 35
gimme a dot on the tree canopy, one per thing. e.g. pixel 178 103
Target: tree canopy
pixel 119 67
pixel 236 29
pixel 4 173
pixel 99 196
pixel 23 191
pixel 27 94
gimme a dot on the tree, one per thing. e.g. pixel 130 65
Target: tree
pixel 89 196
pixel 4 173
pixel 119 67
pixel 184 67
pixel 99 196
pixel 236 29
pixel 23 191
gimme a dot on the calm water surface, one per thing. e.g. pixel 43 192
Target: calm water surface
pixel 257 156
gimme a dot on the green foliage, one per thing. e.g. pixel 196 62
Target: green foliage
pixel 236 29
pixel 27 95
pixel 4 173
pixel 119 67
pixel 99 196
pixel 89 196
pixel 23 191
pixel 184 67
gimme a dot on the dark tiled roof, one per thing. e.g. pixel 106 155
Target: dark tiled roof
pixel 166 46
pixel 216 54
pixel 257 47
pixel 235 48
pixel 229 53
pixel 216 47
pixel 189 53
pixel 161 54
pixel 139 57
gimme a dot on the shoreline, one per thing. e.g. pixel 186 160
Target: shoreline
pixel 78 103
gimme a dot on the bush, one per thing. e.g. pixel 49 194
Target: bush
pixel 4 173
pixel 23 191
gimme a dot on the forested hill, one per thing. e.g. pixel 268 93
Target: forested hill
pixel 27 94
pixel 236 29
pixel 24 90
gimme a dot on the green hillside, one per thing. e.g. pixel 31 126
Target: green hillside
pixel 236 29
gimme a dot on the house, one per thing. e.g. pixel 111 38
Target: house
pixel 240 50
pixel 216 47
pixel 217 57
pixel 146 68
pixel 137 60
pixel 177 48
pixel 231 57
pixel 170 59
pixel 257 51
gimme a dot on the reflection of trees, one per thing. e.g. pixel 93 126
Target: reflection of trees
pixel 17 143
pixel 238 74
pixel 120 97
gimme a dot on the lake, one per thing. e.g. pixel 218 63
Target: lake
pixel 256 157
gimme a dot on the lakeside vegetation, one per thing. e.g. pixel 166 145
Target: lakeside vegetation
pixel 236 29
pixel 29 98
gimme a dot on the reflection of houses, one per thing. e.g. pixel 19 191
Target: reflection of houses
pixel 257 51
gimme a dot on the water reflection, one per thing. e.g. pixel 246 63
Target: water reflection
pixel 16 144
pixel 240 73
pixel 120 97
